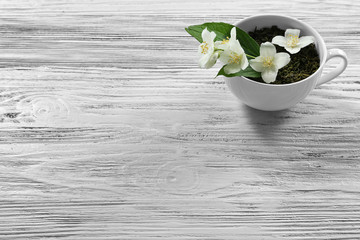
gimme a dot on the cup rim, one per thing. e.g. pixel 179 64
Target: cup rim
pixel 317 37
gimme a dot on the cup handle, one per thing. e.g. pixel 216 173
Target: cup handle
pixel 332 53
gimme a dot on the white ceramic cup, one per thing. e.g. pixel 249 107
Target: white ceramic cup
pixel 270 97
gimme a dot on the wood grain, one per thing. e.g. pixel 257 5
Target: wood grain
pixel 109 130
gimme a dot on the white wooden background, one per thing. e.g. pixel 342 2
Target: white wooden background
pixel 109 130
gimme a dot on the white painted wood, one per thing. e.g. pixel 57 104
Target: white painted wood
pixel 109 130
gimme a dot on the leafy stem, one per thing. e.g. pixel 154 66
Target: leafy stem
pixel 250 56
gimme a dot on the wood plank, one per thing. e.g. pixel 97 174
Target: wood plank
pixel 109 130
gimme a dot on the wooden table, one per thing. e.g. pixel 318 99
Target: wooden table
pixel 109 130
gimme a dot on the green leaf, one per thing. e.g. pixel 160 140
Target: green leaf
pixel 247 72
pixel 222 31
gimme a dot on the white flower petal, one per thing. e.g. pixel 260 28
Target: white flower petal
pixel 221 45
pixel 208 60
pixel 232 68
pixel 204 59
pixel 234 44
pixel 212 36
pixel 306 40
pixel 212 60
pixel 208 37
pixel 225 56
pixel 233 33
pixel 205 48
pixel 292 33
pixel 244 62
pixel 257 64
pixel 293 50
pixel 279 40
pixel 205 35
pixel 269 75
pixel 200 49
pixel 267 49
pixel 281 60
pixel 236 47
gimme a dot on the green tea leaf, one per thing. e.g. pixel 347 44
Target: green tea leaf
pixel 222 31
pixel 247 72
